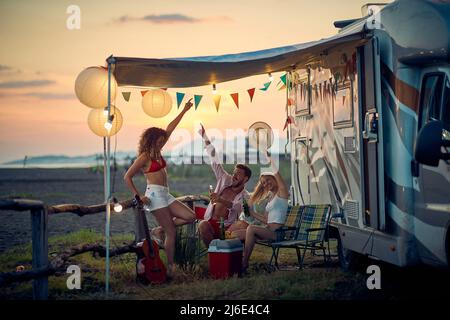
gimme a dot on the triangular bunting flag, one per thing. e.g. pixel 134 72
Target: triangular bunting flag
pixel 180 97
pixel 217 101
pixel 289 120
pixel 144 92
pixel 197 99
pixel 126 96
pixel 283 78
pixel 282 87
pixel 266 86
pixel 235 97
pixel 251 92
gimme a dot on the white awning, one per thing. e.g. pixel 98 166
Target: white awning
pixel 199 71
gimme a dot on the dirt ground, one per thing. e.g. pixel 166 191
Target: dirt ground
pixel 80 186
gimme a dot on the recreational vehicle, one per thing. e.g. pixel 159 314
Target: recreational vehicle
pixel 368 129
pixel 370 134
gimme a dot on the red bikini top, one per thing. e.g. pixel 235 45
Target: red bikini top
pixel 156 166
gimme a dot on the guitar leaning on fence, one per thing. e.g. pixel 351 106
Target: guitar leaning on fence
pixel 149 268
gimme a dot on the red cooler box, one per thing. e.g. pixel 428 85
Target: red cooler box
pixel 225 258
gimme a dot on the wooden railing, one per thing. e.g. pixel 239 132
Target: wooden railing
pixel 41 268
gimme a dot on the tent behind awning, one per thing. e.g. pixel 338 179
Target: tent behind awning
pixel 199 71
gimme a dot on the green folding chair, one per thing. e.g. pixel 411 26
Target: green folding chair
pixel 286 233
pixel 310 234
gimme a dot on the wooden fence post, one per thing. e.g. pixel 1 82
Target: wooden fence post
pixel 40 250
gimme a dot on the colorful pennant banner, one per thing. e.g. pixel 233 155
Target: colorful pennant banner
pixel 197 99
pixel 217 101
pixel 235 97
pixel 289 120
pixel 266 86
pixel 180 97
pixel 251 93
pixel 217 98
pixel 126 96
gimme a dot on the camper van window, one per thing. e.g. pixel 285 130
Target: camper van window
pixel 445 112
pixel 431 98
pixel 343 105
pixel 303 95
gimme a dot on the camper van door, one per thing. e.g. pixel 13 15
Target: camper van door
pixel 369 69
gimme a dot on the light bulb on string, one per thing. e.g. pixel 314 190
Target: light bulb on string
pixel 105 111
pixel 214 89
pixel 117 206
pixel 270 76
pixel 108 124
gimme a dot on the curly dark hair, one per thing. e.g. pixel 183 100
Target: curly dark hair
pixel 147 142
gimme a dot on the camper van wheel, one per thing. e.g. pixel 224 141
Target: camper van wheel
pixel 349 260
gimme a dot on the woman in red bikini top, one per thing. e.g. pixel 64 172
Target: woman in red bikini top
pixel 168 211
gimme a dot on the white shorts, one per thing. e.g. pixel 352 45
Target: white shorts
pixel 159 197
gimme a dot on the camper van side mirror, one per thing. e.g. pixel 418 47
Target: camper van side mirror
pixel 429 143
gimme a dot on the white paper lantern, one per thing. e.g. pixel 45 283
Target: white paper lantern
pixel 157 103
pixel 91 87
pixel 97 119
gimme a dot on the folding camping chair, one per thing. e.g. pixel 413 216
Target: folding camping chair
pixel 310 235
pixel 287 232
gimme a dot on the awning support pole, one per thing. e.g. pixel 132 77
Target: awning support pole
pixel 107 173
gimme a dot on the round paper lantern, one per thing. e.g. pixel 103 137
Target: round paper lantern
pixel 260 136
pixel 98 117
pixel 91 87
pixel 157 103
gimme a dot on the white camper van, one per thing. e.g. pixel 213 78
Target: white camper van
pixel 371 134
pixel 369 124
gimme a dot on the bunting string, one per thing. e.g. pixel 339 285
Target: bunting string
pixel 217 98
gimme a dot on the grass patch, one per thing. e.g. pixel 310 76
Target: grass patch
pixel 314 282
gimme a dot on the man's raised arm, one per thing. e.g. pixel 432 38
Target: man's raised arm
pixel 215 162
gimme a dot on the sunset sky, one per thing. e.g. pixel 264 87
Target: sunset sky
pixel 40 59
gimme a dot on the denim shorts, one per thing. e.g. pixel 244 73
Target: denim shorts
pixel 159 197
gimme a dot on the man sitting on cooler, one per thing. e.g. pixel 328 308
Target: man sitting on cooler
pixel 226 198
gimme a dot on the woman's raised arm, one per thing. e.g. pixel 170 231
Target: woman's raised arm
pixel 177 120
pixel 283 190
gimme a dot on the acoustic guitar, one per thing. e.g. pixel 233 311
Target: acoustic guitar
pixel 149 268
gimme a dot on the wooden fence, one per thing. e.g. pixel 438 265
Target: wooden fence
pixel 41 268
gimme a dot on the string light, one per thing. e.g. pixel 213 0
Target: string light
pixel 117 206
pixel 270 77
pixel 105 111
pixel 214 90
pixel 108 124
